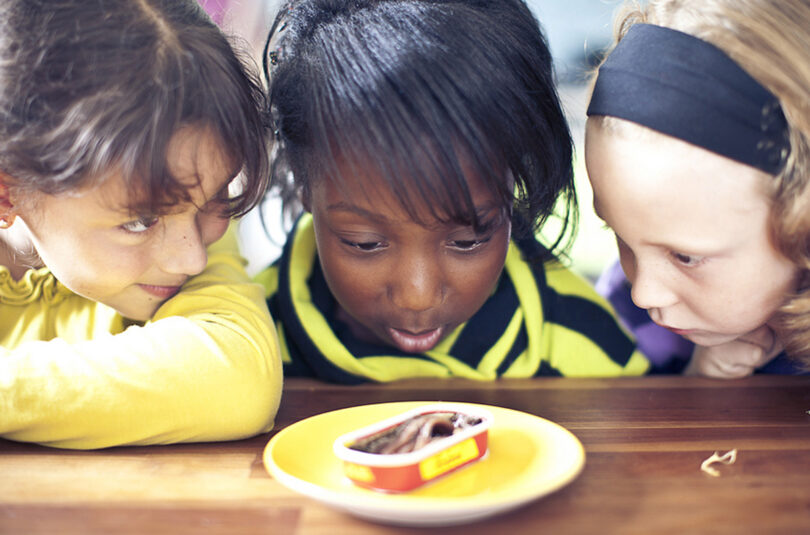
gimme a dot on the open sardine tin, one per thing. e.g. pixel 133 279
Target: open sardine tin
pixel 401 472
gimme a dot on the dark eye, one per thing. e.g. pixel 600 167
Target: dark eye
pixel 140 225
pixel 469 245
pixel 366 247
pixel 687 260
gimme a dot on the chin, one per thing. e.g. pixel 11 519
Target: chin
pixel 711 339
pixel 136 317
pixel 142 315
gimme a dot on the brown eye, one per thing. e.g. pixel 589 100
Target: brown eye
pixel 468 245
pixel 366 247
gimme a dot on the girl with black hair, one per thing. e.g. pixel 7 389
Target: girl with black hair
pixel 426 143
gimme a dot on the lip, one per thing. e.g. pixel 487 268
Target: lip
pixel 418 342
pixel 679 332
pixel 163 292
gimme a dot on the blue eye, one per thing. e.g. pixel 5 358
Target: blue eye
pixel 140 225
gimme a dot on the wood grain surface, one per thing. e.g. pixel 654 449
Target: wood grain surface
pixel 644 438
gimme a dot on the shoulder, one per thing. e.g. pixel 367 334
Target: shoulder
pixel 555 281
pixel 581 331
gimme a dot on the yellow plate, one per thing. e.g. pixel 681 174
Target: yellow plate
pixel 529 457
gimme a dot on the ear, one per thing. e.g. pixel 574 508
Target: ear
pixel 7 212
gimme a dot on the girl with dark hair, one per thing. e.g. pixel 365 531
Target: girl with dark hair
pixel 427 145
pixel 130 133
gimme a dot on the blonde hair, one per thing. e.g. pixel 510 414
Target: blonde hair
pixel 771 40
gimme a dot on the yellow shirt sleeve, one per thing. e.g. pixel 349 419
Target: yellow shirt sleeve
pixel 205 368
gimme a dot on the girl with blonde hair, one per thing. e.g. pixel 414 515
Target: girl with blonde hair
pixel 698 150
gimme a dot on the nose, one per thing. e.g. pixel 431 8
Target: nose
pixel 183 249
pixel 417 284
pixel 651 286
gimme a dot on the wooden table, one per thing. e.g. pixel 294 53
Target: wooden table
pixel 645 439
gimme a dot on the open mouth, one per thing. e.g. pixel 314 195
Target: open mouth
pixel 420 342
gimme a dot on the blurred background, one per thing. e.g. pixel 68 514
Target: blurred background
pixel 577 31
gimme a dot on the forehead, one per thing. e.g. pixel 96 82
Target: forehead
pixel 423 199
pixel 198 160
pixel 197 167
pixel 655 167
pixel 660 185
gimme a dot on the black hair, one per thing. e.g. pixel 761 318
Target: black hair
pixel 93 86
pixel 414 88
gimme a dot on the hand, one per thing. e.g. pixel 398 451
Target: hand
pixel 738 358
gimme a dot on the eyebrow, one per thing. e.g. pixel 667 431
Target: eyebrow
pixel 482 212
pixel 352 208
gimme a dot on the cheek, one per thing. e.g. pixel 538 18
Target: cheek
pixel 761 296
pixel 489 274
pixel 102 271
pixel 627 260
pixel 213 228
pixel 475 280
pixel 354 284
pixel 734 305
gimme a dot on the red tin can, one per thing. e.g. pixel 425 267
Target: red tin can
pixel 400 472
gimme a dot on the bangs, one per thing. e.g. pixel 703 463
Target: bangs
pixel 429 176
pixel 199 91
pixel 428 95
pixel 194 153
pixel 380 102
pixel 75 118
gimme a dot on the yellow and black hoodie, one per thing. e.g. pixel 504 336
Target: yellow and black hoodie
pixel 541 320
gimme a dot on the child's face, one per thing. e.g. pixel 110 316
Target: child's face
pixel 398 282
pixel 133 263
pixel 693 232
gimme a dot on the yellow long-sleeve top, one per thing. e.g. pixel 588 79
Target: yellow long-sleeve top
pixel 73 374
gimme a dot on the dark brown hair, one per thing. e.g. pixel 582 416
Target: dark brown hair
pixel 91 87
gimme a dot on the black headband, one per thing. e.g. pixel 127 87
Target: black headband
pixel 687 88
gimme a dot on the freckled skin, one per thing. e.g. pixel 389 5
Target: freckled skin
pixel 692 230
pixel 132 263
